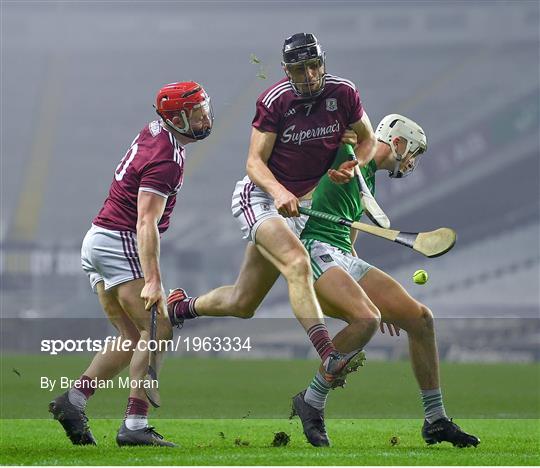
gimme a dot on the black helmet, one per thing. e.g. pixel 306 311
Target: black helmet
pixel 301 48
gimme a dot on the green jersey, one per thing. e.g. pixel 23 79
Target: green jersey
pixel 340 200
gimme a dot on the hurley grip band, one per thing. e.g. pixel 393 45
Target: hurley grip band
pixel 326 216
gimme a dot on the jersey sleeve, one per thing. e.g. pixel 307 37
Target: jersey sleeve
pixel 356 108
pixel 266 119
pixel 160 177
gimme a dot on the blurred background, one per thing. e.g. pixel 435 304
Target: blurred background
pixel 78 83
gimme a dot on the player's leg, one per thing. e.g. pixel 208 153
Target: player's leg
pixel 250 206
pixel 135 429
pixel 340 297
pixel 105 365
pixel 274 237
pixel 257 276
pixel 278 244
pixel 398 307
pixel 113 360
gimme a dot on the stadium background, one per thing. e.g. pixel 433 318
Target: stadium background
pixel 78 82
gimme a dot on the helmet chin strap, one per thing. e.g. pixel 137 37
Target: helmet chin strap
pixel 186 128
pixel 183 130
pixel 396 173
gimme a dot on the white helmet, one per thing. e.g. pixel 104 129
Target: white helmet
pixel 395 125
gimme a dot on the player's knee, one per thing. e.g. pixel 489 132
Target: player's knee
pixel 299 267
pixel 367 316
pixel 375 318
pixel 372 318
pixel 423 324
pixel 427 318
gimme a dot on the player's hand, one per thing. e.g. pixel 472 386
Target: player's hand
pixel 287 204
pixel 350 137
pixel 344 173
pixel 392 329
pixel 152 293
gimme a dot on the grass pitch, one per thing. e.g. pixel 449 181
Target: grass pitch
pixel 249 442
pixel 226 412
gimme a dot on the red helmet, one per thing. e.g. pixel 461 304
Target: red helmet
pixel 181 99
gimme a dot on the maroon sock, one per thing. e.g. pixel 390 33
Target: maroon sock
pixel 136 407
pixel 318 334
pixel 183 308
pixel 186 309
pixel 84 385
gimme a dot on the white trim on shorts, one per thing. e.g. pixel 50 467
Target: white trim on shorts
pixel 325 256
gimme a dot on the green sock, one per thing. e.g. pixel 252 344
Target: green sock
pixel 433 405
pixel 317 392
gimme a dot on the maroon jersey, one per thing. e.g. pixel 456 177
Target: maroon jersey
pixel 308 130
pixel 154 163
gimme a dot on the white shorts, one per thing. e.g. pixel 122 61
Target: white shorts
pixel 252 206
pixel 110 256
pixel 325 256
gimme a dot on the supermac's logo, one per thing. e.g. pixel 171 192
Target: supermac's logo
pixel 289 135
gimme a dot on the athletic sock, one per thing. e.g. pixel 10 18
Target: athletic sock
pixel 81 391
pixel 317 392
pixel 433 405
pixel 136 414
pixel 318 334
pixel 185 309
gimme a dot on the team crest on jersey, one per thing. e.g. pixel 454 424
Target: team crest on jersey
pixel 331 104
pixel 154 127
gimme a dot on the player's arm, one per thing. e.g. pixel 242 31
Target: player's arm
pixel 367 143
pixel 150 208
pixel 260 149
pixel 345 172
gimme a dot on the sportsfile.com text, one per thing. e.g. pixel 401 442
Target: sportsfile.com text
pixel 196 344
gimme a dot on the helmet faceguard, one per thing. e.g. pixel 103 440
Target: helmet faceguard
pixel 397 126
pixel 189 102
pixel 304 64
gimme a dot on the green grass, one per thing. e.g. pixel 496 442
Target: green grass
pixel 220 388
pixel 250 400
pixel 355 442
